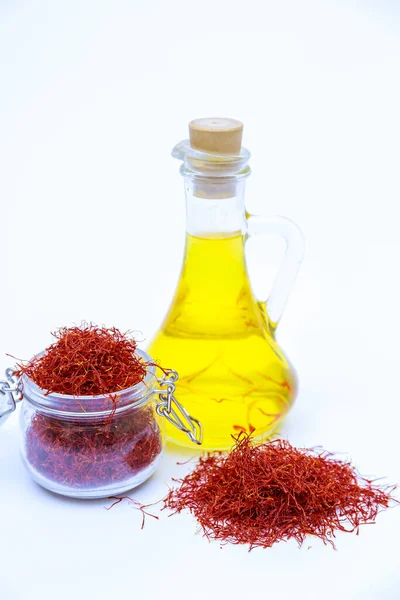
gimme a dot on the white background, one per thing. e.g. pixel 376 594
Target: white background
pixel 93 95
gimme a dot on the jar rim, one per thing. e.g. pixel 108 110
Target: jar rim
pixel 130 397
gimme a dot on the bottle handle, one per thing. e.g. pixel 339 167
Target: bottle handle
pixel 290 265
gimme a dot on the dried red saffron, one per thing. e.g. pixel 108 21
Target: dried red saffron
pixel 137 505
pixel 87 444
pixel 260 495
pixel 90 454
pixel 86 361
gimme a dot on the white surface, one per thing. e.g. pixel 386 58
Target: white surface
pixel 93 95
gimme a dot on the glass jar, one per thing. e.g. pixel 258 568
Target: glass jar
pixel 98 446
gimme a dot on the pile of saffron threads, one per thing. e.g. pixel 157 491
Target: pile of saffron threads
pixel 86 361
pixel 260 495
pixel 90 452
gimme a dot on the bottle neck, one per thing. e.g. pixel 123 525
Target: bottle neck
pixel 214 206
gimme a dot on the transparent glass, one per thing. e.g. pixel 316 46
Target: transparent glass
pixel 92 446
pixel 218 335
pixel 7 403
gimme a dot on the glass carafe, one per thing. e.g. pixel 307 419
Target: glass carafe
pixel 221 339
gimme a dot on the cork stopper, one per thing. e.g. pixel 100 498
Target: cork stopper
pixel 218 135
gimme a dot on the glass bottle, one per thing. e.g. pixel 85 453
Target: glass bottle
pixel 233 375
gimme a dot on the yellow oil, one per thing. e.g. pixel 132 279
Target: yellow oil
pixel 232 374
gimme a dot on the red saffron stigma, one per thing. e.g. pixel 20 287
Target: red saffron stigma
pixel 86 361
pixel 260 495
pixel 81 451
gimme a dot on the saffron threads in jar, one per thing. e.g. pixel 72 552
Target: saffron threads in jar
pixel 83 442
pixel 86 361
pixel 90 454
pixel 260 495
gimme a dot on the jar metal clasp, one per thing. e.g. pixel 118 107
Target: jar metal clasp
pixel 168 406
pixel 10 394
pixel 171 409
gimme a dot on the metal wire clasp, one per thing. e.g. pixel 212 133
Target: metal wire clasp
pixel 171 409
pixel 10 394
